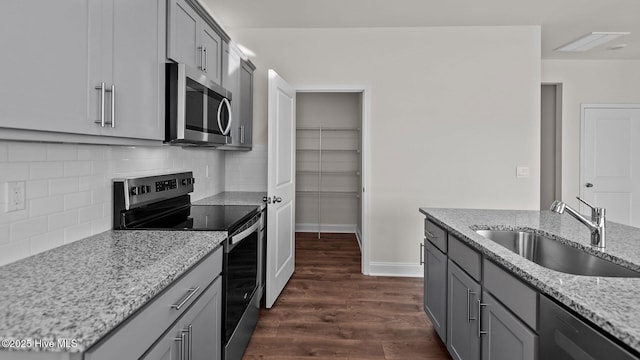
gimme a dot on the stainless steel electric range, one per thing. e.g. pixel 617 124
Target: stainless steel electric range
pixel 163 202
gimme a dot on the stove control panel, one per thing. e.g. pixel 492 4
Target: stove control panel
pixel 165 185
pixel 135 192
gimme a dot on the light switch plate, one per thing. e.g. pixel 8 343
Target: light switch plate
pixel 522 172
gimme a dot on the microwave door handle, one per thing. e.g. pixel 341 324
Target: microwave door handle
pixel 226 103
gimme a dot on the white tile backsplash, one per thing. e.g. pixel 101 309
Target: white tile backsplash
pixel 247 171
pixel 27 152
pixel 69 193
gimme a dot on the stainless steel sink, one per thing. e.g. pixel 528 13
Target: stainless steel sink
pixel 555 255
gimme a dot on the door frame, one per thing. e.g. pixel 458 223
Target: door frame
pixel 583 160
pixel 364 159
pixel 558 138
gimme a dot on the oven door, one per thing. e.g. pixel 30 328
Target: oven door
pixel 241 298
pixel 198 111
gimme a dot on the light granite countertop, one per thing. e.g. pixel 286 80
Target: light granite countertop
pixel 234 198
pixel 613 304
pixel 85 289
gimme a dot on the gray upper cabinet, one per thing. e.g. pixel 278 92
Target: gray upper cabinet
pixel 463 338
pixel 435 288
pixel 238 78
pixel 70 49
pixel 246 104
pixel 191 41
pixel 46 65
pixel 136 73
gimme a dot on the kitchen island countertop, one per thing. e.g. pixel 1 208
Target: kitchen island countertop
pixel 610 303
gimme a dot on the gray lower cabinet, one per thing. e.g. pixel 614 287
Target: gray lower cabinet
pixel 478 309
pixel 196 335
pixel 192 41
pixel 100 71
pixel 435 288
pixel 504 336
pixel 463 338
pixel 186 316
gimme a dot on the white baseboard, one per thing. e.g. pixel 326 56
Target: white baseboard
pixel 395 269
pixel 332 228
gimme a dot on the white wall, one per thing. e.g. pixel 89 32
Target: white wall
pixel 587 82
pixel 69 192
pixel 453 111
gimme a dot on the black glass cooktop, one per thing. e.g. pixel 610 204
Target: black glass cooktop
pixel 202 217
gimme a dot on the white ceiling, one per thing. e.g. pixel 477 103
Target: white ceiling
pixel 561 20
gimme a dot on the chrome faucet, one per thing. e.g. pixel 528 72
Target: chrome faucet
pixel 596 224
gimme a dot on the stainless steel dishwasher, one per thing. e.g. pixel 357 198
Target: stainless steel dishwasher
pixel 563 336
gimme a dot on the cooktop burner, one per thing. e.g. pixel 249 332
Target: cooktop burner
pixel 202 217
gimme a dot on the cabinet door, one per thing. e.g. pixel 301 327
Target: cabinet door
pixel 211 44
pixel 231 82
pixel 183 37
pixel 197 332
pixel 46 63
pixel 463 340
pixel 137 70
pixel 245 108
pixel 435 288
pixel 506 337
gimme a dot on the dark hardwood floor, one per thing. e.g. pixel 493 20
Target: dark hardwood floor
pixel 329 310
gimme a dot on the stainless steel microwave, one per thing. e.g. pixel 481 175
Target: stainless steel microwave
pixel 198 110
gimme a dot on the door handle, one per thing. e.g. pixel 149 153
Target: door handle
pixel 589 185
pixel 277 199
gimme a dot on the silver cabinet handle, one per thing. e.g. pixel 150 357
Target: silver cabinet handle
pixel 480 332
pixel 113 106
pixel 190 293
pixel 202 63
pixel 421 253
pixel 242 134
pixel 190 333
pixel 204 66
pixel 469 293
pixel 431 234
pixel 183 345
pixel 103 90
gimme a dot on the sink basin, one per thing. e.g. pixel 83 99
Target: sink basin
pixel 555 255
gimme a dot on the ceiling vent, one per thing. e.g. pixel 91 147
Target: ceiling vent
pixel 590 41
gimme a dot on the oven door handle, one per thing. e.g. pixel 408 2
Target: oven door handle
pixel 244 233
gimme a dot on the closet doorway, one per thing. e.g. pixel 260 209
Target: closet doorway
pixel 329 162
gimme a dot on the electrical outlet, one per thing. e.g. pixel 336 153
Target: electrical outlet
pixel 15 196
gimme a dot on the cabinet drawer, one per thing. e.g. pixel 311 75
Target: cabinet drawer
pixel 467 258
pixel 436 235
pixel 136 334
pixel 515 295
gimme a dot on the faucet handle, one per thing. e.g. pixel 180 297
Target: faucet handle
pixel 586 203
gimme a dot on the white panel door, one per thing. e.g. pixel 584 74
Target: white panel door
pixel 610 153
pixel 280 186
